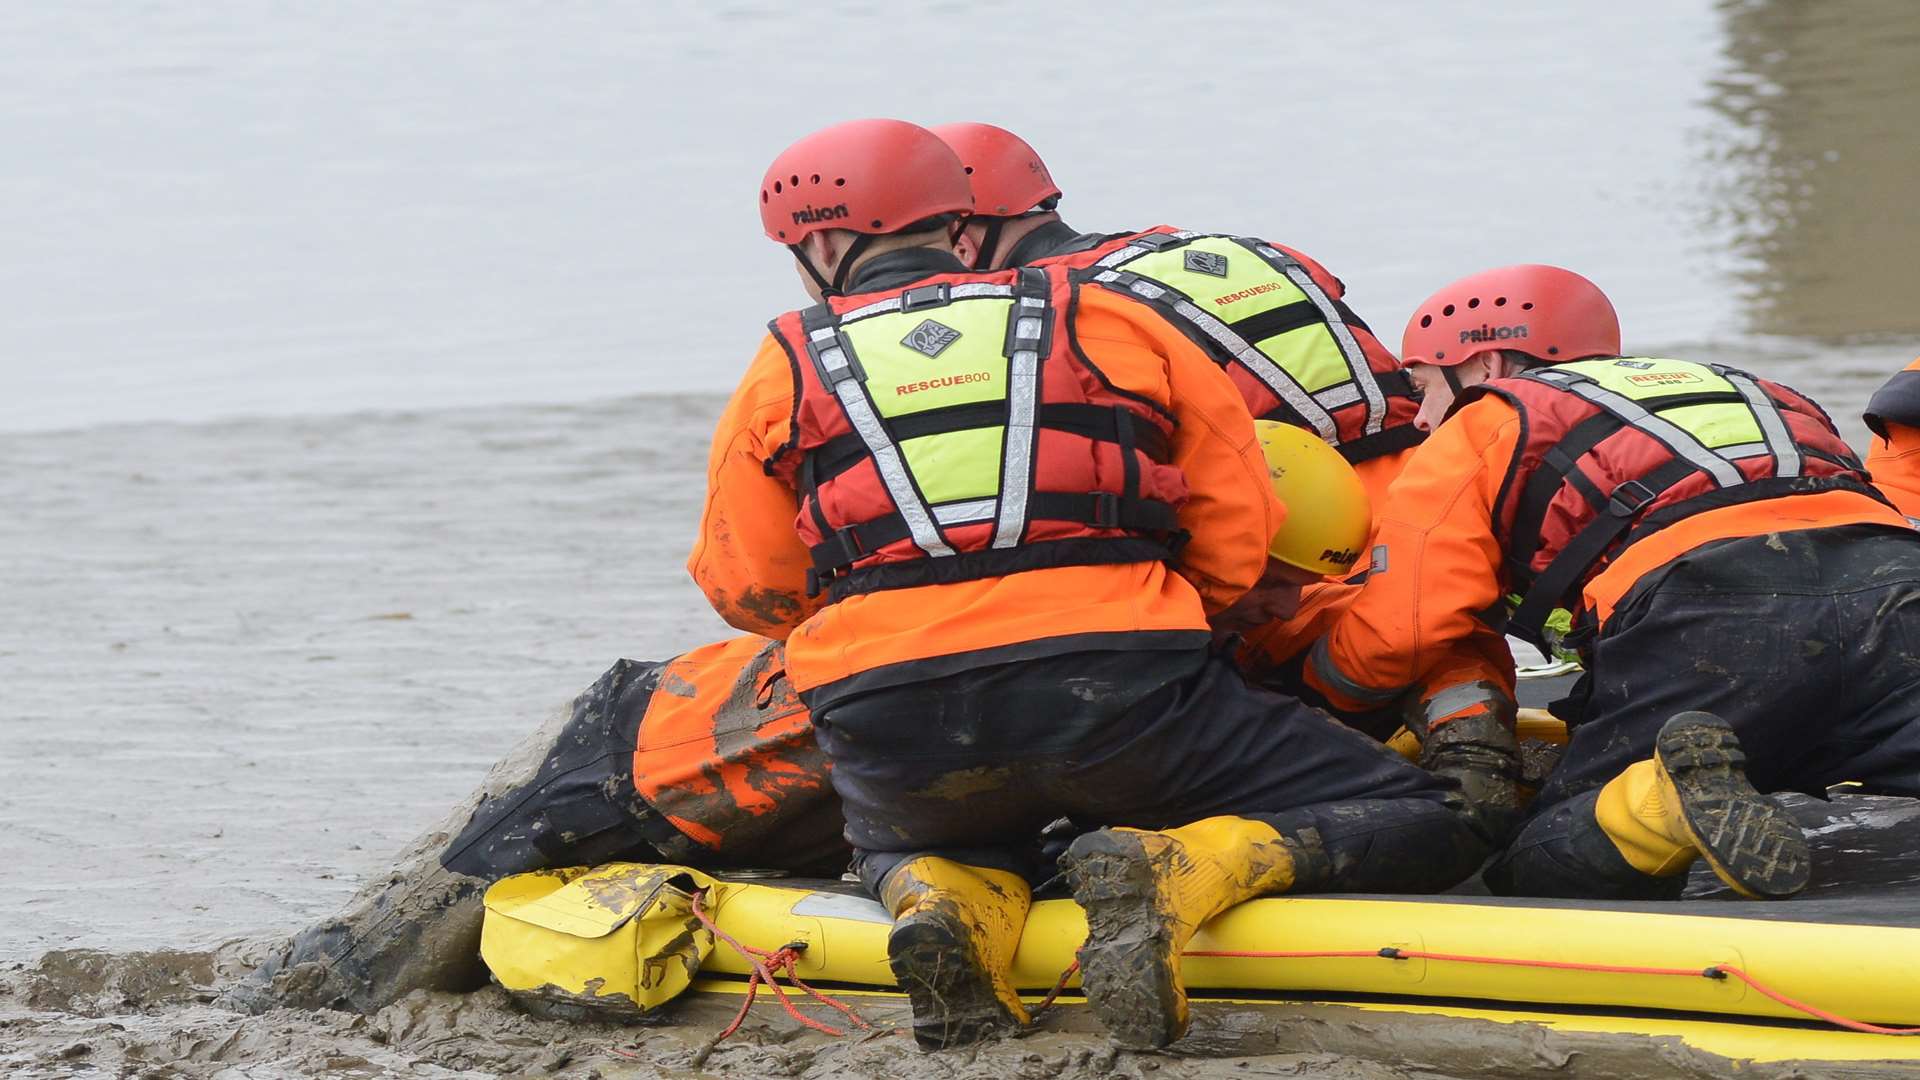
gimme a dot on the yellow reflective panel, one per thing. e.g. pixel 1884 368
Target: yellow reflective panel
pixel 956 465
pixel 1223 278
pixel 934 358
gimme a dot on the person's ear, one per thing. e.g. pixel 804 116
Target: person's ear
pixel 823 250
pixel 966 242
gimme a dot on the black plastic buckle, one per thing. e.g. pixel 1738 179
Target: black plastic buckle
pixel 921 297
pixel 1628 498
pixel 1106 510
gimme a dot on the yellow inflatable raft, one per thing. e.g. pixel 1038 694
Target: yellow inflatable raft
pixel 1739 979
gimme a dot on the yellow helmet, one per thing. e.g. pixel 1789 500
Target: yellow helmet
pixel 1329 516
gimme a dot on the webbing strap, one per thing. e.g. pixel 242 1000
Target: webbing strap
pixel 1381 443
pixel 1100 423
pixel 925 297
pixel 1029 326
pixel 839 369
pixel 1105 510
pixel 1572 562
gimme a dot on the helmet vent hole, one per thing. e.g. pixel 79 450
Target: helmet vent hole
pixel 969 170
pixel 763 196
pixel 1473 303
pixel 840 182
pixel 1426 321
pixel 816 178
pixel 1528 306
pixel 794 180
pixel 1448 310
pixel 776 187
pixel 1500 301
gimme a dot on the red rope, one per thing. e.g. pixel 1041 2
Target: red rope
pixel 767 965
pixel 1717 971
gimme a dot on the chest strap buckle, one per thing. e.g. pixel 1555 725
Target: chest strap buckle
pixel 1628 498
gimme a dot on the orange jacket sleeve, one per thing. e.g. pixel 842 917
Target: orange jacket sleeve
pixel 1894 462
pixel 1231 511
pixel 749 560
pixel 1440 568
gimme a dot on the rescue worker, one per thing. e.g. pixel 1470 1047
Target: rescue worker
pixel 1275 320
pixel 991 514
pixel 1894 455
pixel 705 760
pixel 1746 604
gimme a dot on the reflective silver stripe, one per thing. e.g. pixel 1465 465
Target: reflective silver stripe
pixel 1465 696
pixel 959 513
pixel 837 362
pixel 1133 251
pixel 893 303
pixel 1030 316
pixel 1263 368
pixel 1744 451
pixel 865 311
pixel 1337 680
pixel 1335 397
pixel 1786 456
pixel 1669 434
pixel 1357 367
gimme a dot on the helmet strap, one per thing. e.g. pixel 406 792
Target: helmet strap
pixel 838 287
pixel 989 240
pixel 1453 380
pixel 813 272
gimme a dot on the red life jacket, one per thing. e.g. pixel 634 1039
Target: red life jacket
pixel 1275 320
pixel 1611 451
pixel 952 431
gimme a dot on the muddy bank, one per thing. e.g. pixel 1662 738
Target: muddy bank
pixel 79 1014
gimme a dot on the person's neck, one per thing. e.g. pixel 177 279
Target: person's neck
pixel 1025 239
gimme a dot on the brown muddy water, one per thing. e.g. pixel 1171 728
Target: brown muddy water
pixel 296 541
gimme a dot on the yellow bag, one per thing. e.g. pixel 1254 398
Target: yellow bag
pixel 618 939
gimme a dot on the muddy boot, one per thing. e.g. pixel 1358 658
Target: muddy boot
pixel 1693 799
pixel 558 799
pixel 954 933
pixel 1145 894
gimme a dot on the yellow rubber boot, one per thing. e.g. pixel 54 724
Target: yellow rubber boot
pixel 1145 893
pixel 1692 800
pixel 954 932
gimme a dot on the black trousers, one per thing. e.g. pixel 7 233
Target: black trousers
pixel 972 765
pixel 1807 642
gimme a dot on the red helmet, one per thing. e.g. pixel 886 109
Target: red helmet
pixel 866 176
pixel 1008 177
pixel 1548 313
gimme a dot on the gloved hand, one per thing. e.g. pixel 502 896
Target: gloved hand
pixel 1477 750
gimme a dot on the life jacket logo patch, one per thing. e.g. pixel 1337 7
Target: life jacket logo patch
pixel 1637 365
pixel 930 338
pixel 1206 262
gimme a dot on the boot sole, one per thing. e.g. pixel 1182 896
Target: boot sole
pixel 1127 966
pixel 1752 844
pixel 954 1003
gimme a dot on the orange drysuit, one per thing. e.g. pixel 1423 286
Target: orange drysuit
pixel 752 565
pixel 1893 456
pixel 1420 613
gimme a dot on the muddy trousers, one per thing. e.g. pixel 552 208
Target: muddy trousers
pixel 1807 642
pixel 971 766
